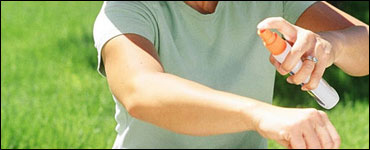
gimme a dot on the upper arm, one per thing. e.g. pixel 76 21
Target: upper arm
pixel 121 18
pixel 322 16
pixel 124 35
pixel 132 51
pixel 125 57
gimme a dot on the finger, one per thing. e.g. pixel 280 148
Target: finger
pixel 324 136
pixel 287 29
pixel 274 61
pixel 304 73
pixel 311 138
pixel 305 43
pixel 324 49
pixel 297 142
pixel 276 64
pixel 289 80
pixel 320 50
pixel 316 76
pixel 332 131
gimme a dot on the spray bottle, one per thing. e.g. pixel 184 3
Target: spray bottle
pixel 324 94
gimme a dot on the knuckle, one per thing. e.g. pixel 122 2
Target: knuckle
pixel 280 18
pixel 296 79
pixel 324 49
pixel 320 46
pixel 323 114
pixel 312 112
pixel 284 135
pixel 324 45
pixel 306 34
pixel 312 85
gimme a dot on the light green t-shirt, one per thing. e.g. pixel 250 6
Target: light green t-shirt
pixel 220 50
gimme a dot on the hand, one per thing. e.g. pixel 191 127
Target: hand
pixel 298 128
pixel 305 43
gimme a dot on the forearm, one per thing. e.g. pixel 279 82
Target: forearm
pixel 187 107
pixel 351 47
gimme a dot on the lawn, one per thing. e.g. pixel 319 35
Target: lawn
pixel 53 97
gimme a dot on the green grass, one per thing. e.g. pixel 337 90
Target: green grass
pixel 52 96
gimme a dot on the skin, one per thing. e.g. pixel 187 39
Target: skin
pixel 342 40
pixel 136 77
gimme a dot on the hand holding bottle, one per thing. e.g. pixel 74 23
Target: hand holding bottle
pixel 324 94
pixel 306 43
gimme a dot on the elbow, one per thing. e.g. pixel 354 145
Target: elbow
pixel 134 95
pixel 128 100
pixel 134 111
pixel 131 105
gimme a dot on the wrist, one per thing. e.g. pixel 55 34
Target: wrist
pixel 254 114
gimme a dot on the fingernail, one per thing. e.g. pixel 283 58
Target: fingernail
pixel 304 88
pixel 289 80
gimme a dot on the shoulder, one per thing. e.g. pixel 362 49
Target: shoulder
pixel 120 17
pixel 117 11
pixel 123 14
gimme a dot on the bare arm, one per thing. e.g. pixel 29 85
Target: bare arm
pixel 327 33
pixel 137 79
pixel 348 36
pixel 171 102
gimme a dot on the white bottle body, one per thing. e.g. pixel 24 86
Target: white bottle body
pixel 324 94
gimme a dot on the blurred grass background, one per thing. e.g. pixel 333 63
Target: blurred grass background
pixel 53 97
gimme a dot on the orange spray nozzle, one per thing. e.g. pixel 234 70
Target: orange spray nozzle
pixel 273 42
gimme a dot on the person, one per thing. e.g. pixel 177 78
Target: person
pixel 194 74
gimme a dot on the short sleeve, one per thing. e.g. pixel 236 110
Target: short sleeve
pixel 117 18
pixel 293 9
